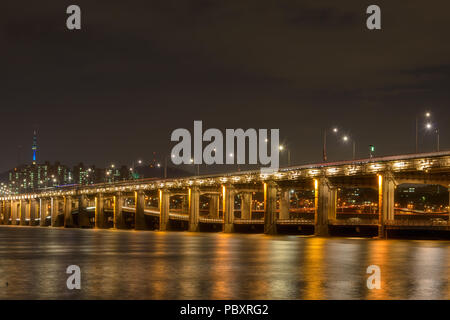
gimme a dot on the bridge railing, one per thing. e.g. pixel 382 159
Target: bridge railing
pixel 412 223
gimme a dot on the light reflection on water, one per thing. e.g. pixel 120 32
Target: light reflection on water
pixel 181 265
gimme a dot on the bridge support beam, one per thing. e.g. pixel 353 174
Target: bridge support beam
pixel 246 205
pixel 164 209
pixel 54 211
pixel 139 216
pixel 34 211
pixel 2 212
pixel 83 217
pixel 100 218
pixel 7 217
pixel 43 206
pixel 270 207
pixel 284 203
pixel 119 218
pixel 386 201
pixel 228 208
pixel 23 212
pixel 194 208
pixel 68 218
pixel 17 214
pixel 7 214
pixel 214 206
pixel 326 200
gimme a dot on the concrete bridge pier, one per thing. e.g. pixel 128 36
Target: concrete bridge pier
pixel 100 218
pixel 34 211
pixel 68 218
pixel 270 207
pixel 326 202
pixel 164 209
pixel 54 211
pixel 14 212
pixel 7 214
pixel 83 217
pixel 228 208
pixel 386 201
pixel 139 217
pixel 246 205
pixel 23 212
pixel 2 212
pixel 284 203
pixel 43 211
pixel 214 206
pixel 194 208
pixel 119 218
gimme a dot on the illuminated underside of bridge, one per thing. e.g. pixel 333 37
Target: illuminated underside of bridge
pixel 212 199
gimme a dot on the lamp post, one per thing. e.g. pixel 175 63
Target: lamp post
pixel 437 133
pixel 196 166
pixel 335 130
pixel 281 148
pixel 429 126
pixel 345 139
pixel 427 115
pixel 231 155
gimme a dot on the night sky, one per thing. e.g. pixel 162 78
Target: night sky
pixel 115 90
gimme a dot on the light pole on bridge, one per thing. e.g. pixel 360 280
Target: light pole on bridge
pixel 335 131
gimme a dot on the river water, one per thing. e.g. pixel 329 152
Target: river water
pixel 180 265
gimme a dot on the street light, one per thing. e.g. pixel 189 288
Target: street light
pixel 429 126
pixel 198 166
pixel 345 139
pixel 281 148
pixel 335 131
pixel 427 115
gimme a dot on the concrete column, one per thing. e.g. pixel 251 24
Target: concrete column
pixel 214 206
pixel 83 217
pixel 14 214
pixel 228 208
pixel 2 212
pixel 119 218
pixel 7 212
pixel 54 211
pixel 270 207
pixel 326 198
pixel 34 211
pixel 284 203
pixel 164 209
pixel 68 218
pixel 386 202
pixel 246 205
pixel 23 212
pixel 194 208
pixel 99 212
pixel 43 206
pixel 139 217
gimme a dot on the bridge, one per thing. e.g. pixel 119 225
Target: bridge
pixel 228 202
